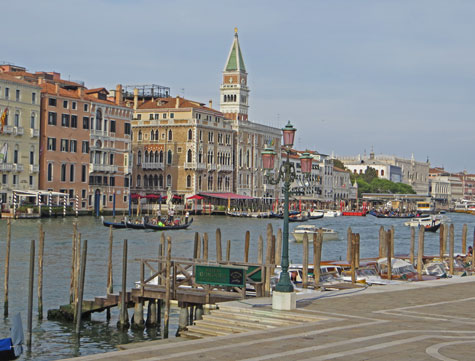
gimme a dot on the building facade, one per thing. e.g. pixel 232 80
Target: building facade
pixel 19 138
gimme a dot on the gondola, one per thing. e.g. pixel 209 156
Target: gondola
pixel 114 224
pixel 389 215
pixel 156 227
pixel 135 225
pixel 433 228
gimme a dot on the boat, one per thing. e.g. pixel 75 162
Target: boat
pixel 391 215
pixel 121 224
pixel 430 223
pixel 354 214
pixel 298 218
pixel 12 347
pixel 156 227
pixel 310 229
pixel 135 225
pixel 425 207
pixel 315 214
pixel 330 213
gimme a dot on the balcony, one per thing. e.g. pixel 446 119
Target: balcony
pixel 212 167
pixel 18 131
pixel 17 167
pixel 7 129
pixel 34 133
pixel 6 167
pixel 103 168
pixel 190 165
pixel 225 168
pixel 152 165
pixel 99 133
pixel 34 168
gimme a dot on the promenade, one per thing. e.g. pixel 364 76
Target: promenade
pixel 431 320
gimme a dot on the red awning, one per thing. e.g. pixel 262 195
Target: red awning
pixel 196 196
pixel 227 195
pixel 152 196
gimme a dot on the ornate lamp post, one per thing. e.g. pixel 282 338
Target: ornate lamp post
pixel 287 174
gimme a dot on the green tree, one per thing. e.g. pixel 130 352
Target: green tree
pixel 338 163
pixel 370 174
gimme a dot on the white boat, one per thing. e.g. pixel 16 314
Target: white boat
pixel 310 229
pixel 428 221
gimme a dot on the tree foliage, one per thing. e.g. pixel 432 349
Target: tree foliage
pixel 370 183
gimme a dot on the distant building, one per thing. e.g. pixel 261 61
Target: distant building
pixel 19 139
pixel 444 188
pixel 407 171
pixel 468 185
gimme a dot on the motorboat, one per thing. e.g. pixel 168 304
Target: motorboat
pixel 329 213
pixel 430 223
pixel 310 229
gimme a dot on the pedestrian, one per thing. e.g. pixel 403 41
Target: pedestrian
pixel 187 214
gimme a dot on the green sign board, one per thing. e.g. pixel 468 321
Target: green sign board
pixel 220 276
pixel 256 276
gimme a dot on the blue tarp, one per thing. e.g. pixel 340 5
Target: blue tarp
pixel 6 344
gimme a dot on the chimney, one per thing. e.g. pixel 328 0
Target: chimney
pixel 136 98
pixel 211 103
pixel 118 94
pixel 56 86
pixel 177 105
pixel 81 92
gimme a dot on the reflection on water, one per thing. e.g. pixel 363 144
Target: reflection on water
pixel 54 340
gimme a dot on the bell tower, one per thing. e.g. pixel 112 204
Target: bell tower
pixel 234 93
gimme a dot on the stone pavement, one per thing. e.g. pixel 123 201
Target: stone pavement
pixel 431 320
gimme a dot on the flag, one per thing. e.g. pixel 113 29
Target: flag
pixel 2 119
pixel 3 153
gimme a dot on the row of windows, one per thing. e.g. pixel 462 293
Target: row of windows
pixel 154 136
pixel 15 157
pixel 18 95
pixel 67 145
pixel 15 179
pixel 67 172
pixel 156 116
pixel 16 119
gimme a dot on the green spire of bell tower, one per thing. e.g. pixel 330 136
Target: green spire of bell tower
pixel 235 61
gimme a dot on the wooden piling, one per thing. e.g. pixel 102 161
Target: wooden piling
pixel 381 242
pixel 305 261
pixel 30 294
pixel 151 314
pixel 7 267
pixel 446 237
pixel 110 287
pixel 196 246
pixel 317 257
pixel 124 317
pixel 389 254
pixel 260 250
pixel 247 240
pixel 76 272
pixel 82 277
pixel 348 245
pixel 473 250
pixel 441 242
pixel 357 251
pixel 353 258
pixel 272 251
pixel 72 285
pixel 268 259
pixel 413 242
pixel 166 315
pixel 205 246
pixel 464 239
pixel 278 247
pixel 228 250
pixel 392 241
pixel 219 253
pixel 451 249
pixel 40 273
pixel 420 252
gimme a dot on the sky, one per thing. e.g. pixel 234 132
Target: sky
pixel 395 77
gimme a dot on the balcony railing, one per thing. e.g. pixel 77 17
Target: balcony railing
pixel 8 129
pixel 18 131
pixel 225 168
pixel 99 133
pixel 103 168
pixel 212 167
pixel 34 133
pixel 18 167
pixel 152 165
pixel 34 168
pixel 6 167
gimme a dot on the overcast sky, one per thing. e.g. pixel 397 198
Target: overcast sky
pixel 395 76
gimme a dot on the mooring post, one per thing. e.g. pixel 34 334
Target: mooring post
pixel 349 245
pixel 110 287
pixel 167 289
pixel 82 278
pixel 357 251
pixel 278 247
pixel 260 250
pixel 205 246
pixel 198 245
pixel 392 241
pixel 219 253
pixel 228 250
pixel 381 242
pixel 40 273
pixel 72 287
pixel 30 294
pixel 420 252
pixel 182 319
pixel 451 249
pixel 199 312
pixel 247 240
pixel 464 239
pixel 7 267
pixel 151 314
pixel 413 242
pixel 124 317
pixel 446 237
pixel 317 257
pixel 268 260
pixel 389 255
pixel 473 250
pixel 441 242
pixel 305 261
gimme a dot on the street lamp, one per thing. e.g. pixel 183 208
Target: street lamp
pixel 287 174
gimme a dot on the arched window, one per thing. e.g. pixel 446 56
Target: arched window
pixel 32 120
pixel 99 119
pixel 161 156
pixel 152 135
pixel 50 172
pixel 170 135
pixel 146 157
pixel 240 157
pixel 156 135
pixel 139 158
pixel 155 180
pixel 140 135
pixel 382 172
pixel 63 172
pixel 190 134
pixel 188 181
pixel 169 157
pixel 169 180
pixel 200 156
pixel 145 181
pixel 247 158
pixel 160 181
pixel 189 155
pixel 138 181
pixel 156 156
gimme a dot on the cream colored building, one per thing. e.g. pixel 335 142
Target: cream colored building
pixel 182 145
pixel 20 169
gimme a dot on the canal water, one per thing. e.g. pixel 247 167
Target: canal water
pixel 54 340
